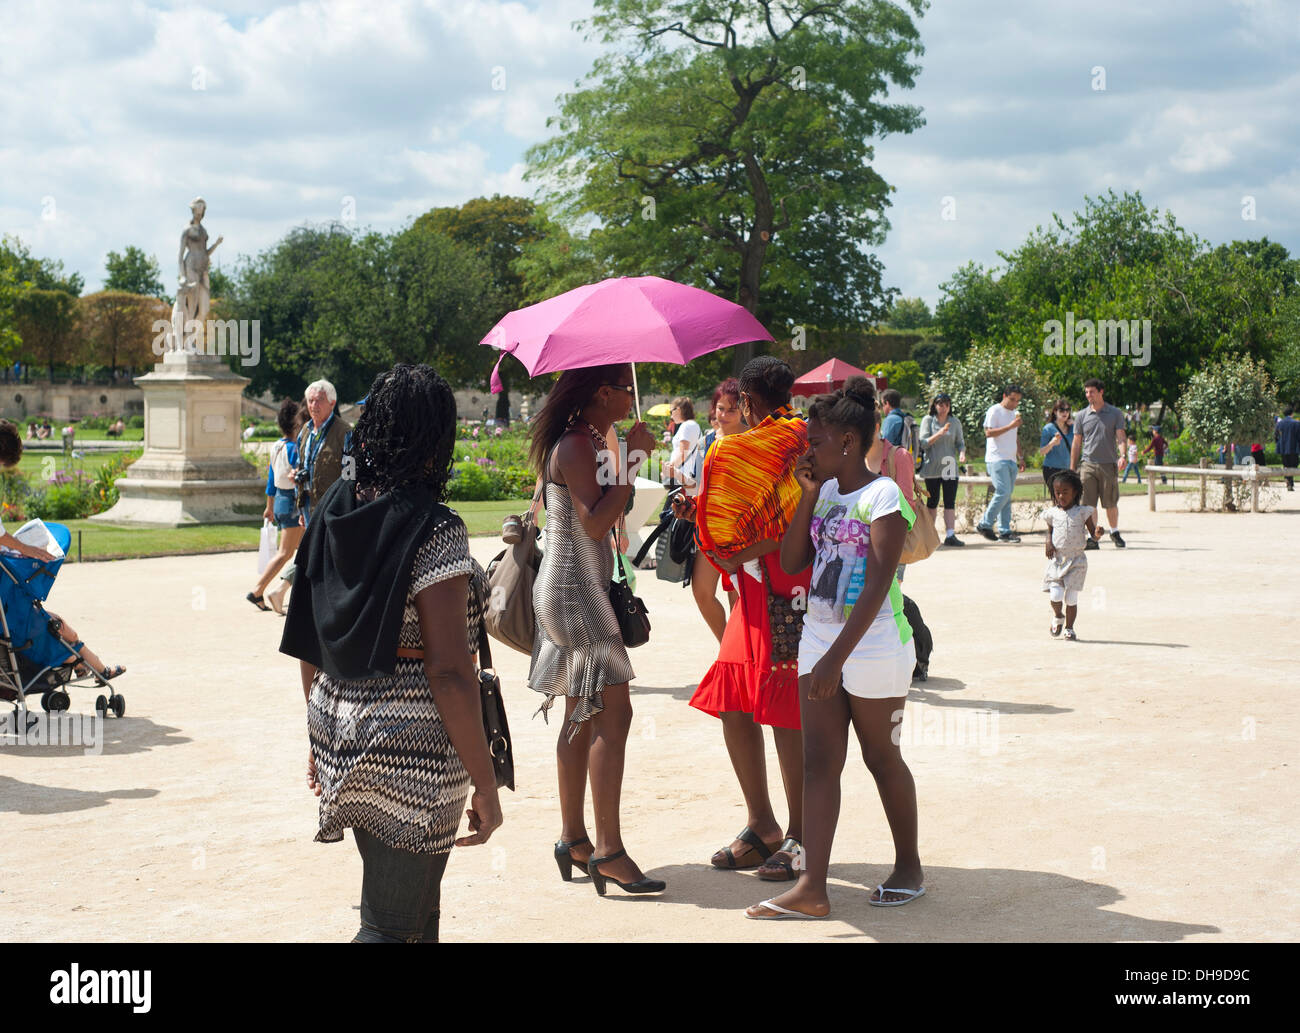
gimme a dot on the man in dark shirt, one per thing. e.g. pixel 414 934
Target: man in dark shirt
pixel 1099 453
pixel 1287 436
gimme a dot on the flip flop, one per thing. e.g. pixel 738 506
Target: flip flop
pixel 909 896
pixel 755 844
pixel 781 912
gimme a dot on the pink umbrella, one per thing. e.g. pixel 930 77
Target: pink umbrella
pixel 625 319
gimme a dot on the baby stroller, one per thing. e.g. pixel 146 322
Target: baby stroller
pixel 33 658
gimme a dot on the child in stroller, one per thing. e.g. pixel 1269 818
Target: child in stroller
pixel 41 651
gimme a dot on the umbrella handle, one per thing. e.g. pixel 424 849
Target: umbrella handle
pixel 636 392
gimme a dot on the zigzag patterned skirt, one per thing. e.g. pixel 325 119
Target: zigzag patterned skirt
pixel 385 761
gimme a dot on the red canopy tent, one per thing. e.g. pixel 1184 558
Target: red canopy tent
pixel 830 376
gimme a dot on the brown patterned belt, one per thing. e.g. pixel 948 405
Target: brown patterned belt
pixel 410 654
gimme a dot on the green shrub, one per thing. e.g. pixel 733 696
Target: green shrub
pixel 904 377
pixel 72 500
pixel 472 482
pixel 518 482
pixel 975 383
pixel 136 422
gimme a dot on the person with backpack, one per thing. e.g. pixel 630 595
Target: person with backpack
pixel 898 426
pixel 281 508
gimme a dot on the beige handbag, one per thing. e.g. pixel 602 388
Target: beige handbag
pixel 922 539
pixel 509 616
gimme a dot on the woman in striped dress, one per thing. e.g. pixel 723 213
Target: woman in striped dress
pixel 578 653
pixel 393 701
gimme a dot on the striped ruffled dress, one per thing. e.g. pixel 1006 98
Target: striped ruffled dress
pixel 578 649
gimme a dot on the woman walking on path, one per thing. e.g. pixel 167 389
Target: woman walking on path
pixel 749 686
pixel 943 446
pixel 704 575
pixel 1055 440
pixel 856 654
pixel 578 654
pixel 280 507
pixel 386 619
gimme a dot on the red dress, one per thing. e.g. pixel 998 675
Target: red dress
pixel 743 678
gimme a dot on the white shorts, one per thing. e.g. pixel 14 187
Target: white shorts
pixel 1059 593
pixel 887 676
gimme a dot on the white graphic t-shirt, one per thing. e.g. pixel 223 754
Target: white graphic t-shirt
pixel 841 536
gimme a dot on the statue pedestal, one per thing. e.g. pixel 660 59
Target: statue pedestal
pixel 193 469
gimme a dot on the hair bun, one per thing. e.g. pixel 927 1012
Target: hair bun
pixel 861 390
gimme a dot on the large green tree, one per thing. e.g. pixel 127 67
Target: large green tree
pixel 133 272
pixel 46 320
pixel 497 229
pixel 728 145
pixel 339 305
pixel 1119 260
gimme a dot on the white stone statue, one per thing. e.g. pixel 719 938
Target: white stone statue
pixel 193 292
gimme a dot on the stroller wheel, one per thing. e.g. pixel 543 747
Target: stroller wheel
pixel 45 701
pixel 59 700
pixel 101 705
pixel 118 704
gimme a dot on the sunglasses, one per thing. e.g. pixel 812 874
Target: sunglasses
pixel 622 387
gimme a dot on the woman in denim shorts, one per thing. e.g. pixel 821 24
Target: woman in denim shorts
pixel 280 507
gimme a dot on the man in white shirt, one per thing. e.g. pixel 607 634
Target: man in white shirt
pixel 1002 456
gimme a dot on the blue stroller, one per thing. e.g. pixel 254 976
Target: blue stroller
pixel 33 658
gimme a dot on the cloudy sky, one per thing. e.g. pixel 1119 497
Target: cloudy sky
pixel 115 115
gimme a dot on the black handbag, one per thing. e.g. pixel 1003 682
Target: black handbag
pixel 681 541
pixel 495 725
pixel 630 612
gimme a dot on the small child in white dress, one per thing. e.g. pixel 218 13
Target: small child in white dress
pixel 1068 527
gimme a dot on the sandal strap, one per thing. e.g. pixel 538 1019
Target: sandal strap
pixel 751 838
pixel 598 861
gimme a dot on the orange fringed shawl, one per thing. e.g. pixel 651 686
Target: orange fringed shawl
pixel 748 489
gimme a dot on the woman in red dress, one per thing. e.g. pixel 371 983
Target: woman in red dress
pixel 748 687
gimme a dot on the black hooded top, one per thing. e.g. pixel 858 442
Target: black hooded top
pixel 353 573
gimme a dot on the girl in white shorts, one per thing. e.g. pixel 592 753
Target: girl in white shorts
pixel 856 654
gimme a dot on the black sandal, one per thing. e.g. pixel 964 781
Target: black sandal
pixel 783 871
pixel 755 844
pixel 642 885
pixel 256 600
pixel 567 861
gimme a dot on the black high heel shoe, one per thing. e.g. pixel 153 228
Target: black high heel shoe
pixel 567 861
pixel 599 880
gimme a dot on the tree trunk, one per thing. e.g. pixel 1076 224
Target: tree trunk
pixel 751 263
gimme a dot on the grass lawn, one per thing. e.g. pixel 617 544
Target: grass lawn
pixel 35 464
pixel 100 542
pixel 130 434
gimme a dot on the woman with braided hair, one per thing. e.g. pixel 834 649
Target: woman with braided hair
pixel 393 703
